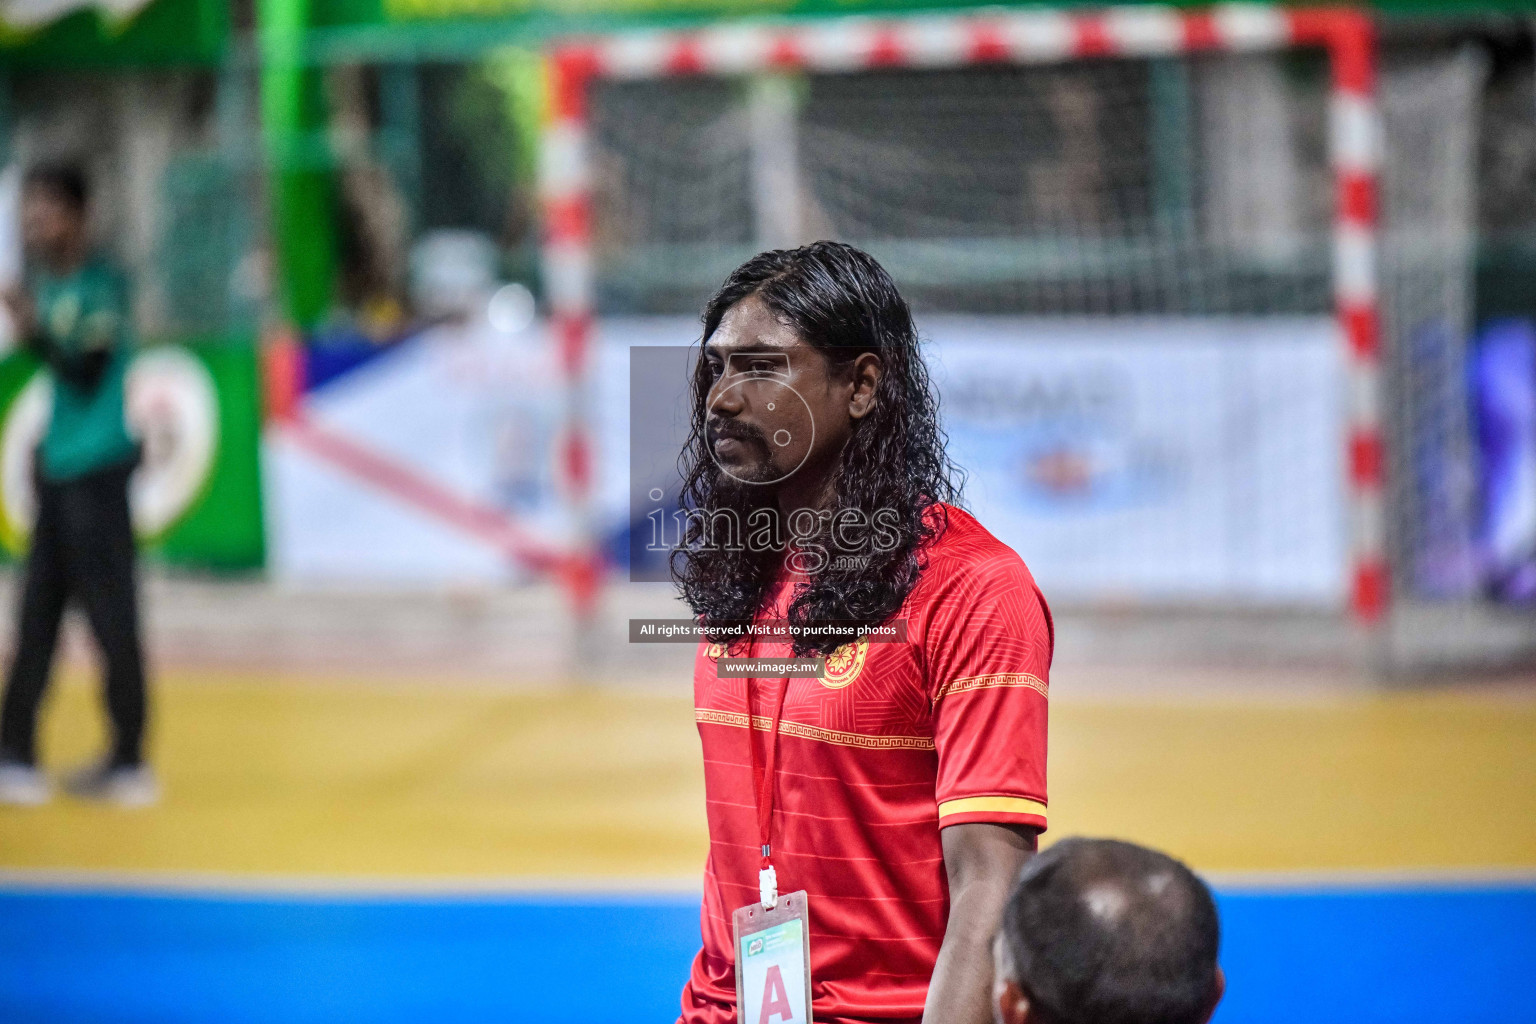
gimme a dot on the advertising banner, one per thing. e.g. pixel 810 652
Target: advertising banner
pixel 196 497
pixel 1181 460
pixel 435 461
pixel 1186 460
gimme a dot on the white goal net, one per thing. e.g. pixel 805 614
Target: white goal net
pixel 1126 269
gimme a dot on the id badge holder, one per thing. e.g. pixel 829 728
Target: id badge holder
pixel 773 962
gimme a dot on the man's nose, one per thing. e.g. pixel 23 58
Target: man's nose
pixel 726 399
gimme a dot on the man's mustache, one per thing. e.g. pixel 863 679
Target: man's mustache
pixel 720 430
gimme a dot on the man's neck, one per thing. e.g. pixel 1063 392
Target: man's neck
pixel 813 494
pixel 813 487
pixel 66 259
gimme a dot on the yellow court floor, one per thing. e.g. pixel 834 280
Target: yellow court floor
pixel 335 779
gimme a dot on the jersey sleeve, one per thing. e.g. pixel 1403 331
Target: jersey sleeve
pixel 988 647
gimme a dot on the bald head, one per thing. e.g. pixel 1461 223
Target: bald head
pixel 1103 932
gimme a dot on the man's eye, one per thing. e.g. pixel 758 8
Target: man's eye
pixel 714 371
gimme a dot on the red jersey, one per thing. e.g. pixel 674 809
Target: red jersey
pixel 897 741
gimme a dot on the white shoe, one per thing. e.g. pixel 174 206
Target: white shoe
pixel 125 786
pixel 22 785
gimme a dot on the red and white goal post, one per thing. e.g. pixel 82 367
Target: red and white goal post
pixel 1002 37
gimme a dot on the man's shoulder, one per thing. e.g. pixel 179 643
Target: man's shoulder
pixel 964 563
pixel 963 548
pixel 966 569
pixel 96 284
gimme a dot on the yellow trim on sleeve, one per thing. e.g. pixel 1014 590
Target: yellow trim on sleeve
pixel 999 804
pixel 1023 679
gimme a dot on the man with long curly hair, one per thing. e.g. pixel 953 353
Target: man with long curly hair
pixel 903 786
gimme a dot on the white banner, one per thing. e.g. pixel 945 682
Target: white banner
pixel 1160 460
pixel 1187 460
pixel 424 464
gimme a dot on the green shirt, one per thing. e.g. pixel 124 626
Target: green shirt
pixel 80 313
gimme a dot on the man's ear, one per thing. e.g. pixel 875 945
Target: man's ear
pixel 1218 989
pixel 1012 1004
pixel 1009 1004
pixel 865 375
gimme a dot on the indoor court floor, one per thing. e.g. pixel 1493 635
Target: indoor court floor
pixel 333 849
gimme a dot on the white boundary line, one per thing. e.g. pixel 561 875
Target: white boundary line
pixel 220 885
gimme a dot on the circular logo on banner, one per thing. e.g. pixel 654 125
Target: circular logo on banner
pixel 844 664
pixel 171 406
pixel 173 409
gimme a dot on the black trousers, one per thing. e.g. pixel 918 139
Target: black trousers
pixel 82 549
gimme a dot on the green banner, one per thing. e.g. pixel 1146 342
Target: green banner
pixel 196 409
pixel 87 34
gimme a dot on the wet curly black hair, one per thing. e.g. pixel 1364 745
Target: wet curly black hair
pixel 842 302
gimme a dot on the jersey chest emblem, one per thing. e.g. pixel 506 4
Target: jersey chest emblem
pixel 844 664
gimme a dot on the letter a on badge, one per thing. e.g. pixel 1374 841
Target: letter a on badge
pixel 775 997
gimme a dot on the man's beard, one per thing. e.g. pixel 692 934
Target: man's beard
pixel 731 491
pixel 748 478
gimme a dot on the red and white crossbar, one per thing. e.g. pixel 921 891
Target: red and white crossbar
pixel 1009 37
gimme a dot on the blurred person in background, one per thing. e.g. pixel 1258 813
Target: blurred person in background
pixel 1099 931
pixel 73 314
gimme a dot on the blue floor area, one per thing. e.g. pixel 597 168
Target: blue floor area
pixel 1394 956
